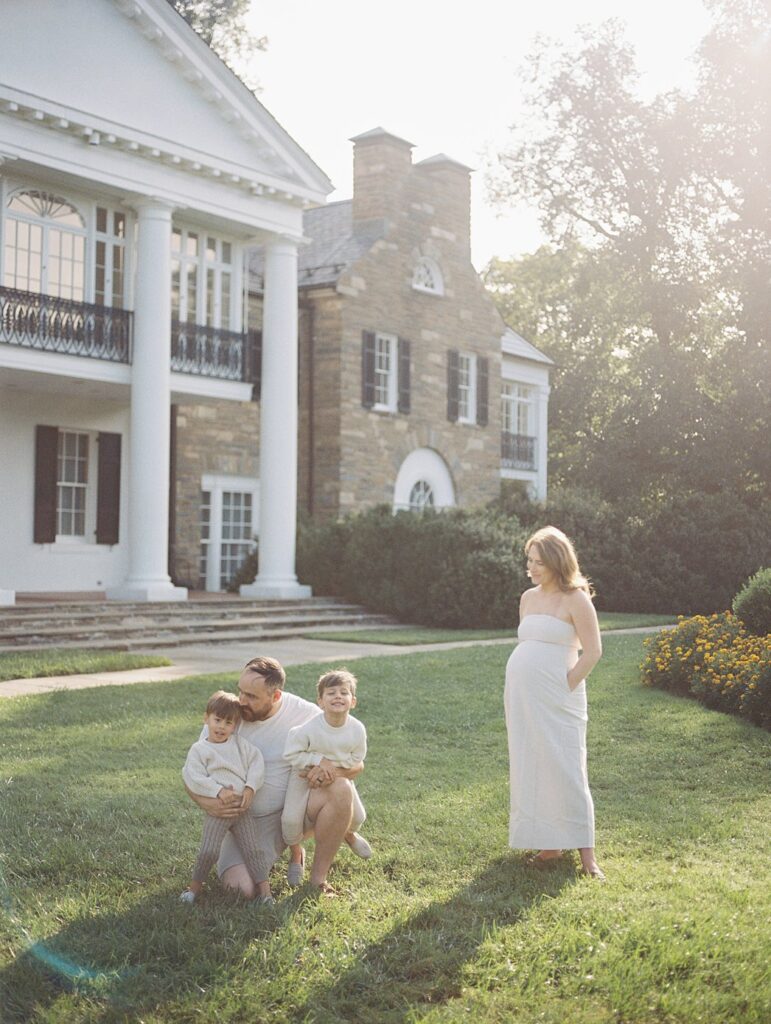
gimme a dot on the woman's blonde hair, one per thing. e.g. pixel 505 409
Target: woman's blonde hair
pixel 559 556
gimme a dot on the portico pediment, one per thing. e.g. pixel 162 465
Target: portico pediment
pixel 134 73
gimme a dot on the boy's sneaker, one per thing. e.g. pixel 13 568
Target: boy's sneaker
pixel 188 896
pixel 359 845
pixel 264 901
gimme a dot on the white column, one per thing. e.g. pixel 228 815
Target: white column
pixel 278 428
pixel 542 458
pixel 148 477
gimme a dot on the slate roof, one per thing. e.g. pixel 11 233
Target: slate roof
pixel 334 245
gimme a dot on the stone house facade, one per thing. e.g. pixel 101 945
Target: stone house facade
pixel 412 390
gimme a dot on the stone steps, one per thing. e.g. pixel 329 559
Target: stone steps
pixel 126 626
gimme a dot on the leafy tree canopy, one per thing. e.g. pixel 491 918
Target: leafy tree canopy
pixel 653 294
pixel 222 25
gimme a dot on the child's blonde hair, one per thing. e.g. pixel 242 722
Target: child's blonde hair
pixel 558 554
pixel 224 705
pixel 338 677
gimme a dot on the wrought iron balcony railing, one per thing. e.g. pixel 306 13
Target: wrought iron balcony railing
pixel 46 322
pixel 517 451
pixel 212 352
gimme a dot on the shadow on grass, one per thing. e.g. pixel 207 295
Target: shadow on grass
pixel 121 966
pixel 419 964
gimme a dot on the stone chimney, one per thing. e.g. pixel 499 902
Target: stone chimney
pixel 446 184
pixel 381 166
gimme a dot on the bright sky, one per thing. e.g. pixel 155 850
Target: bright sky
pixel 442 76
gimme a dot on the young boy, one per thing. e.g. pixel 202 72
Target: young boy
pixel 333 737
pixel 224 761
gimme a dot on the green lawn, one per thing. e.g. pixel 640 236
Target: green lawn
pixel 405 636
pixel 31 665
pixel 444 924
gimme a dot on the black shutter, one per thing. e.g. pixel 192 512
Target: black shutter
pixel 483 374
pixel 108 490
pixel 404 375
pixel 367 369
pixel 46 452
pixel 453 372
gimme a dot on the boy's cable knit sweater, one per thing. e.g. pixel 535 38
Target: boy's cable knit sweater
pixel 211 766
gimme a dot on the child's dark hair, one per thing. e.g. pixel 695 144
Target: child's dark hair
pixel 338 677
pixel 224 705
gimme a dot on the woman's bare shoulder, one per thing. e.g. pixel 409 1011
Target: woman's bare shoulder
pixel 527 595
pixel 578 602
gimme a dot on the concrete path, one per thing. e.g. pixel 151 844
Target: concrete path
pixel 204 659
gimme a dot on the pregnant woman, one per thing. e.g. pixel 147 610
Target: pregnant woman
pixel 545 701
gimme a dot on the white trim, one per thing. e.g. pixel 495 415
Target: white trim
pixel 471 413
pixel 424 464
pixel 215 484
pixel 392 381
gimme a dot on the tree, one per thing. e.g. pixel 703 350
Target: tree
pixel 667 318
pixel 221 24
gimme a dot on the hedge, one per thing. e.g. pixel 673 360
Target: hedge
pixel 683 554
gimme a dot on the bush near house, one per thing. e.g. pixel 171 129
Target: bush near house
pixel 715 660
pixel 753 603
pixel 685 553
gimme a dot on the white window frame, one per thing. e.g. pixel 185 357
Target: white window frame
pixel 518 408
pixel 389 391
pixel 208 260
pixel 87 209
pixel 421 496
pixel 216 486
pixel 430 267
pixel 467 388
pixel 89 487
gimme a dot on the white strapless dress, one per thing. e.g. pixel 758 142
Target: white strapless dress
pixel 551 806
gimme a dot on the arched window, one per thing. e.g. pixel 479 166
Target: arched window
pixel 45 245
pixel 421 496
pixel 427 277
pixel 423 481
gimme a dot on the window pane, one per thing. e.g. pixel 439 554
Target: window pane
pixel 225 301
pixel 191 247
pixel 101 219
pixel 226 252
pixel 119 225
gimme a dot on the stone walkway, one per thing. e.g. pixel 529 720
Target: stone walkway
pixel 204 659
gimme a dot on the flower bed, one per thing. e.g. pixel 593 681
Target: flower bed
pixel 715 660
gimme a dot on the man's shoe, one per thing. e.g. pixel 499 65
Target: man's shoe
pixel 360 846
pixel 188 896
pixel 264 901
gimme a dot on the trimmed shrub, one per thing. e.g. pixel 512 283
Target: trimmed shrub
pixel 753 603
pixel 453 569
pixel 714 660
pixel 675 554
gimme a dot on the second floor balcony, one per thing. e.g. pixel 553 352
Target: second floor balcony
pixel 51 324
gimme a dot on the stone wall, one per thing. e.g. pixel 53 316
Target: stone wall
pixel 217 438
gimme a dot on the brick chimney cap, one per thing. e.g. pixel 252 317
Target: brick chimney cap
pixel 380 133
pixel 441 159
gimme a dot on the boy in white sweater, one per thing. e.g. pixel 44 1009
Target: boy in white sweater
pixel 223 761
pixel 332 739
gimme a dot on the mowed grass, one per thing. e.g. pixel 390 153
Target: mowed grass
pixel 54 662
pixel 444 923
pixel 405 636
